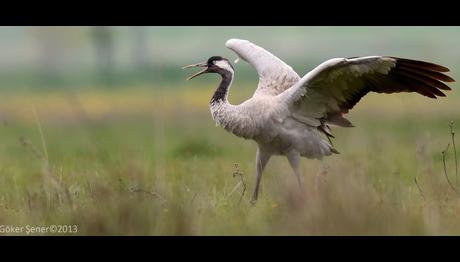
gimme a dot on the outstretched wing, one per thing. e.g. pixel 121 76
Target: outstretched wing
pixel 275 76
pixel 333 88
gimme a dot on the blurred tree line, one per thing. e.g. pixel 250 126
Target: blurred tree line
pixel 54 47
pixel 122 56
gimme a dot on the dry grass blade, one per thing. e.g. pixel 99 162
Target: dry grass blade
pixel 44 159
pixel 419 188
pixel 25 142
pixel 238 173
pixel 42 137
pixel 452 133
pixel 47 170
pixel 445 168
pixel 151 193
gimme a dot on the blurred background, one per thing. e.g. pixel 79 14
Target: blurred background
pixel 99 128
pixel 119 56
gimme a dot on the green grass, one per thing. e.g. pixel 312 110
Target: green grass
pixel 152 162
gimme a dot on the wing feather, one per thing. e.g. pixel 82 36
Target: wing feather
pixel 275 76
pixel 337 85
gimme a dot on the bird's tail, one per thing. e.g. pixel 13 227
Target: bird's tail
pixel 333 150
pixel 325 129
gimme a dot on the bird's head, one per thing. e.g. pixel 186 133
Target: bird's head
pixel 215 64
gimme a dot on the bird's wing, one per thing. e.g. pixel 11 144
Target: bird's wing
pixel 335 86
pixel 275 76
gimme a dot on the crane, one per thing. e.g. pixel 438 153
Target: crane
pixel 291 115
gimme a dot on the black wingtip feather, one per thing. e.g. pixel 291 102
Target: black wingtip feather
pixel 429 81
pixel 421 64
pixel 431 74
pixel 420 85
pixel 407 75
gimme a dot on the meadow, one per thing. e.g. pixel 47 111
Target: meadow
pixel 149 160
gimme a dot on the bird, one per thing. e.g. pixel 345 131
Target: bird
pixel 292 116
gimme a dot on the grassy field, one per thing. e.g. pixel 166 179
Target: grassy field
pixel 150 161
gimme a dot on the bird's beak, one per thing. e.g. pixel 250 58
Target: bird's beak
pixel 203 64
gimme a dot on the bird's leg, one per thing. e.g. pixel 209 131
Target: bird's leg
pixel 261 160
pixel 294 160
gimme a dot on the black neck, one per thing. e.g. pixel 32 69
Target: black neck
pixel 221 91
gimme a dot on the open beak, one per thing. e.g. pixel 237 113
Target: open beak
pixel 203 64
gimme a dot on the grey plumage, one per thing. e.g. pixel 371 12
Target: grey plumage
pixel 291 116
